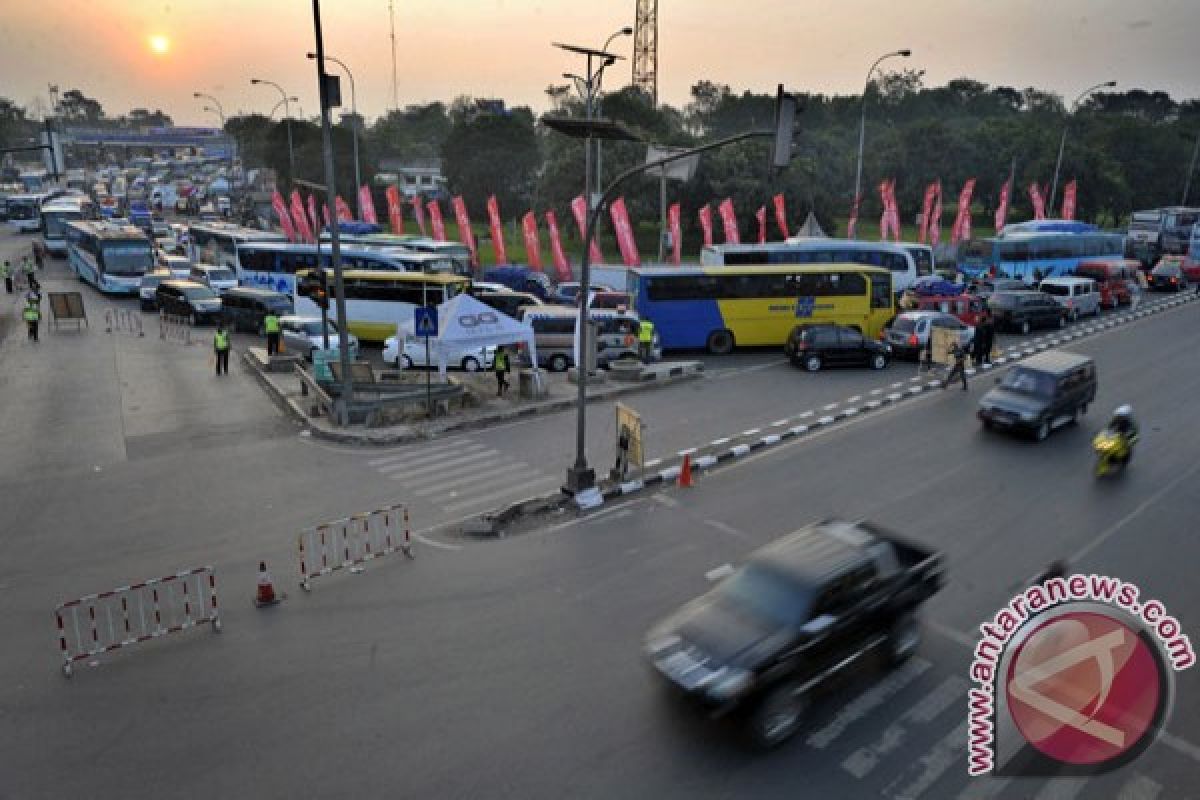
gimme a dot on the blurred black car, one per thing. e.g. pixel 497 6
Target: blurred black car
pixel 815 346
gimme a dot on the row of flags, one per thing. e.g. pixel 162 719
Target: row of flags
pixel 299 221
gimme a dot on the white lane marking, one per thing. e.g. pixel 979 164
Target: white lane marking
pixel 435 543
pixel 799 430
pixel 429 458
pixel 740 450
pixel 854 399
pixel 825 421
pixel 867 702
pixel 877 391
pixel 862 761
pixel 874 404
pixel 1060 788
pixel 704 462
pixel 719 442
pixel 916 389
pixel 1182 746
pixel 670 473
pixel 897 384
pixel 459 475
pixel 484 499
pixel 894 396
pixel 688 452
pixel 930 767
pixel 402 472
pixel 717 573
pixel 771 439
pixel 752 432
pixel 829 407
pixel 806 414
pixel 1139 787
pixel 716 524
pixel 779 423
pixel 654 462
pixel 984 787
pixel 512 473
pixel 849 412
pixel 914 379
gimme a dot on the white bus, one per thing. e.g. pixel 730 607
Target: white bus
pixel 113 258
pixel 378 301
pixel 273 265
pixel 217 243
pixel 25 212
pixel 56 214
pixel 819 250
pixel 459 253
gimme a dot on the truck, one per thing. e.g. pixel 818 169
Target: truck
pixel 799 611
pixel 1154 233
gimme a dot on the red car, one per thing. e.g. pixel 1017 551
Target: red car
pixel 1113 279
pixel 1191 270
pixel 967 307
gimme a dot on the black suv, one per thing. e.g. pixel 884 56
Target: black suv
pixel 1024 311
pixel 245 308
pixel 193 301
pixel 816 346
pixel 1041 393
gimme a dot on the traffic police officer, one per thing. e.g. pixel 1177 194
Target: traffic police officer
pixel 500 365
pixel 32 315
pixel 6 271
pixel 221 349
pixel 646 339
pixel 271 326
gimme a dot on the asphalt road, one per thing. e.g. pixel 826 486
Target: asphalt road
pixel 511 668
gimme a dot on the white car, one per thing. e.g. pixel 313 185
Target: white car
pixel 303 335
pixel 216 278
pixel 470 359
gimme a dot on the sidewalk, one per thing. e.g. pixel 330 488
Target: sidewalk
pixel 284 390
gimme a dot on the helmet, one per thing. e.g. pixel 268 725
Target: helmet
pixel 1123 412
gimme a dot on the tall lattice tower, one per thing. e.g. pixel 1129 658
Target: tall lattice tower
pixel 645 49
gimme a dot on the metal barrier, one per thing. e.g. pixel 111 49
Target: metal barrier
pixel 122 320
pixel 174 328
pixel 352 541
pixel 98 623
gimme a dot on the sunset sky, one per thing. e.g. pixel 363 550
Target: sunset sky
pixel 143 53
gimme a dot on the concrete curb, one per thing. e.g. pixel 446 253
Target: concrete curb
pixel 675 374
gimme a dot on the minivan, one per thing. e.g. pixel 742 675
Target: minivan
pixel 193 301
pixel 1044 392
pixel 554 335
pixel 1079 296
pixel 1114 280
pixel 244 308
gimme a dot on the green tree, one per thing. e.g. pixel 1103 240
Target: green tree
pixel 488 153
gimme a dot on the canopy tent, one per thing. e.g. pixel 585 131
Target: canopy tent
pixel 463 321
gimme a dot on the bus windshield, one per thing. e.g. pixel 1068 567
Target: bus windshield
pixel 127 258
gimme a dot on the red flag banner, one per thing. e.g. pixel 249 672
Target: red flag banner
pixel 1068 204
pixel 419 213
pixel 1039 202
pixel 729 221
pixel 926 209
pixel 675 228
pixel 325 214
pixel 367 203
pixel 465 234
pixel 312 215
pixel 579 209
pixel 435 220
pixel 706 227
pixel 561 265
pixel 300 218
pixel 533 247
pixel 935 219
pixel 1002 208
pixel 497 229
pixel 395 210
pixel 343 211
pixel 852 223
pixel 624 229
pixel 885 216
pixel 761 216
pixel 285 221
pixel 962 221
pixel 780 215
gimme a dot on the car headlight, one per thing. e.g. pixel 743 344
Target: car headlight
pixel 662 643
pixel 729 682
pixel 1028 416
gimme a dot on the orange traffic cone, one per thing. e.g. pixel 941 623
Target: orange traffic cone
pixel 266 588
pixel 685 473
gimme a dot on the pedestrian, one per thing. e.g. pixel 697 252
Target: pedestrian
pixel 6 271
pixel 32 315
pixel 221 349
pixel 1037 276
pixel 960 366
pixel 500 365
pixel 985 333
pixel 271 326
pixel 38 254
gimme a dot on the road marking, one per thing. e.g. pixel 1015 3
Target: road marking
pixel 867 702
pixel 435 543
pixel 825 421
pixel 717 573
pixel 688 452
pixel 874 404
pixel 806 414
pixel 829 407
pixel 779 423
pixel 862 761
pixel 930 767
pixel 654 462
pixel 460 474
pixel 401 472
pixel 877 391
pixel 1061 788
pixel 719 442
pixel 771 439
pixel 724 528
pixel 1139 787
pixel 513 473
pixel 704 462
pixel 894 396
pixel 1182 746
pixel 799 430
pixel 484 499
pixel 740 450
pixel 854 399
pixel 437 454
pixel 984 787
pixel 752 432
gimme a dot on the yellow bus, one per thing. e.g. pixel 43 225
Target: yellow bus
pixel 719 308
pixel 378 300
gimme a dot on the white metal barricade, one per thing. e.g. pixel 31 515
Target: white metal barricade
pixel 352 541
pixel 174 328
pixel 122 320
pixel 98 623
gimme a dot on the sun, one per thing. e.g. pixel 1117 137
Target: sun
pixel 159 44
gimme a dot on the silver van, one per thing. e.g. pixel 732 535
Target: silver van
pixel 1080 296
pixel 554 335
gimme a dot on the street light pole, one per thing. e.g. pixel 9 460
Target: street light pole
pixel 220 112
pixel 354 130
pixel 1187 183
pixel 287 110
pixel 1062 142
pixel 626 31
pixel 862 121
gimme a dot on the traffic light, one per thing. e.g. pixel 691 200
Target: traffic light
pixel 321 291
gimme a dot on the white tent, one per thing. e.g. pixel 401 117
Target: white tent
pixel 463 321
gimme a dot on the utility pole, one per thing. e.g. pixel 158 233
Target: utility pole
pixel 395 91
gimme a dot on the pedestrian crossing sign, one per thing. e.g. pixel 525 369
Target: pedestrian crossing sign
pixel 425 320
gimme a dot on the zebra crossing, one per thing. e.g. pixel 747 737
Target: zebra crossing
pixel 461 475
pixel 904 737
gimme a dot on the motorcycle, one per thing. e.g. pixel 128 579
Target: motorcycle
pixel 1113 451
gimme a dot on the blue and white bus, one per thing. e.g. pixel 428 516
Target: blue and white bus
pixel 113 258
pixel 1045 247
pixel 57 213
pixel 459 253
pixel 820 250
pixel 217 243
pixel 25 211
pixel 273 265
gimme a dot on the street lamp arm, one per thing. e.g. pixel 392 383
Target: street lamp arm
pixel 1062 142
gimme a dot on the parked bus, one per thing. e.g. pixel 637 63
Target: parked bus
pixel 718 308
pixel 1047 247
pixel 820 250
pixel 459 253
pixel 56 214
pixel 377 300
pixel 273 265
pixel 113 258
pixel 217 242
pixel 25 212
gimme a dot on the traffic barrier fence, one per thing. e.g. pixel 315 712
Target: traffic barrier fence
pixel 352 541
pixel 174 328
pixel 98 623
pixel 122 320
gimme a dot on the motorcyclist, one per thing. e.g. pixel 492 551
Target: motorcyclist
pixel 1124 425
